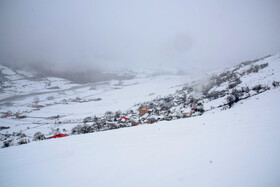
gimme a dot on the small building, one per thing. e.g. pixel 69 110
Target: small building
pixel 59 135
pixel 37 106
pixel 151 120
pixel 123 119
pixel 166 106
pixel 143 111
pixel 5 115
pixel 174 116
pixel 113 125
pixel 135 123
pixel 197 109
pixel 19 116
pixel 187 114
pixel 167 118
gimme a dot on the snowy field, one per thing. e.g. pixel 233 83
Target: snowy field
pixel 114 95
pixel 235 147
pixel 226 146
pixel 72 103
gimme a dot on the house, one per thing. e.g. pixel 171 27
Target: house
pixel 123 119
pixel 187 114
pixel 151 120
pixel 145 116
pixel 19 116
pixel 77 99
pixel 166 106
pixel 174 116
pixel 112 125
pixel 59 135
pixel 167 118
pixel 143 111
pixel 197 109
pixel 37 106
pixel 5 115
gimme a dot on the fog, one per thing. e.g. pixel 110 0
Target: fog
pixel 75 36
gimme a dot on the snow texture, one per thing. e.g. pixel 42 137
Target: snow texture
pixel 236 147
pixel 239 146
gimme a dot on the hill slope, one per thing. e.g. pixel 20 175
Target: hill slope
pixel 95 107
pixel 235 147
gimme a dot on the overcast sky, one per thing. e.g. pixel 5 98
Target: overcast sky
pixel 115 34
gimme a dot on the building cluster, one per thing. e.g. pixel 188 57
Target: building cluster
pixel 168 108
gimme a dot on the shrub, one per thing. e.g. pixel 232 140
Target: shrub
pixel 275 84
pixel 234 83
pixel 215 94
pixel 50 97
pixel 88 119
pixel 8 143
pixel 55 131
pixel 22 141
pixel 256 68
pixel 19 134
pixel 263 65
pixel 118 114
pixel 38 136
pixel 245 89
pixel 231 99
pixel 236 93
pixel 109 114
pixel 82 129
pixel 257 88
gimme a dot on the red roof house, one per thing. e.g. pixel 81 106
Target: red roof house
pixel 123 119
pixel 5 115
pixel 59 135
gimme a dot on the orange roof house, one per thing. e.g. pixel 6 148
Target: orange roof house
pixel 143 111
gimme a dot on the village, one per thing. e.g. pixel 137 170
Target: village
pixel 160 109
pixel 183 103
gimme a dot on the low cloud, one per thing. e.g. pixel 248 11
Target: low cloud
pixel 67 36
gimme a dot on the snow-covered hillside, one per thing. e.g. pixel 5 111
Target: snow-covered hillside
pixel 70 108
pixel 235 147
pixel 63 108
pixel 218 130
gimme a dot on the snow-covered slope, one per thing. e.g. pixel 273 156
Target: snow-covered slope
pixel 232 140
pixel 59 110
pixel 235 147
pixel 73 104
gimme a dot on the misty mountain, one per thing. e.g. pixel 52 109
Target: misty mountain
pixel 78 76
